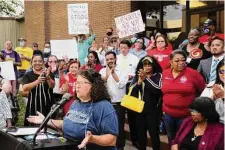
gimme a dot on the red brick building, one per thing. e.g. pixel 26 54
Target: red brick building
pixel 46 20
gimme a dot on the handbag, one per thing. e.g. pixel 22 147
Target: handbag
pixel 133 103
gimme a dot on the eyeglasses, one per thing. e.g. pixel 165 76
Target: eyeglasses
pixel 140 42
pixel 113 41
pixel 160 41
pixel 193 111
pixel 221 71
pixel 82 82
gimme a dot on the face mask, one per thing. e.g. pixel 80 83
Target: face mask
pixel 109 33
pixel 110 48
pixel 206 30
pixel 47 50
pixel 133 39
pixel 22 44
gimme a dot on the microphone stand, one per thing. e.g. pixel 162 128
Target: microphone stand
pixel 44 124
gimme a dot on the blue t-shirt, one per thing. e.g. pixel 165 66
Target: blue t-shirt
pixel 99 117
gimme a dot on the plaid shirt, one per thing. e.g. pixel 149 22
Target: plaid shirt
pixel 5 111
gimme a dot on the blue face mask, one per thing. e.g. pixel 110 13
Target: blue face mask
pixel 206 30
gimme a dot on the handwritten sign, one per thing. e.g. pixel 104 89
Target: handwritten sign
pixel 7 70
pixel 130 24
pixel 61 48
pixel 78 18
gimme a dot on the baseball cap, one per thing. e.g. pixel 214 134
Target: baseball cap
pixel 22 39
pixel 209 22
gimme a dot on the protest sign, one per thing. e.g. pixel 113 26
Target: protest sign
pixel 130 24
pixel 78 18
pixel 61 48
pixel 7 70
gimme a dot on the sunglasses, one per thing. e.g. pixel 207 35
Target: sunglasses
pixel 221 71
pixel 35 46
pixel 193 111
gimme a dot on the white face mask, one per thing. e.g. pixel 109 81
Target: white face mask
pixel 22 44
pixel 47 50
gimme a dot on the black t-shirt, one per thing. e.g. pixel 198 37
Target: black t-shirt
pixel 39 98
pixel 196 56
pixel 189 142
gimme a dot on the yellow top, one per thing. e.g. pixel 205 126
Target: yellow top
pixel 25 51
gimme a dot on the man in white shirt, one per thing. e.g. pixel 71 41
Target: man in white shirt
pixel 207 67
pixel 127 63
pixel 116 84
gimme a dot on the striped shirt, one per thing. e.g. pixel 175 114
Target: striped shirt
pixel 5 111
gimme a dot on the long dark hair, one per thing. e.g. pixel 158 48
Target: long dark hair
pixel 218 80
pixel 99 90
pixel 156 68
pixel 96 56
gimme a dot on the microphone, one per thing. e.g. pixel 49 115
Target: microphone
pixel 66 97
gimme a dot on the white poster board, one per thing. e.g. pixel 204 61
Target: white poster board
pixel 130 24
pixel 78 18
pixel 7 70
pixel 62 48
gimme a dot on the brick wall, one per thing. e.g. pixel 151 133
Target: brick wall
pixel 45 20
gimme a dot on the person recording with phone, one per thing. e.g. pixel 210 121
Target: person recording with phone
pixel 39 84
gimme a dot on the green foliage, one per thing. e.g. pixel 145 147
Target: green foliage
pixel 11 8
pixel 22 110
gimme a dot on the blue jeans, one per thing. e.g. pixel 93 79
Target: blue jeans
pixel 172 125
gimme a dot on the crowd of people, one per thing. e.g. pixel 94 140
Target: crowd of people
pixel 182 86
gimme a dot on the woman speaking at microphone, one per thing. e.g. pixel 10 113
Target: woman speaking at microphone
pixel 91 117
pixel 39 84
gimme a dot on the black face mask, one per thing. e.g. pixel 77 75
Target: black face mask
pixel 109 33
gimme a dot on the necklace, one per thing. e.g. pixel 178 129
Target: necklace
pixel 197 135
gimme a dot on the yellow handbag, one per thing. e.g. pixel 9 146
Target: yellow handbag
pixel 133 103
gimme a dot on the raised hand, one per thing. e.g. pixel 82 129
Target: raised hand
pixel 218 91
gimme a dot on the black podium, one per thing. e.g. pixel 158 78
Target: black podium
pixel 10 142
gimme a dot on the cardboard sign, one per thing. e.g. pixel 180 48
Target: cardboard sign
pixel 130 24
pixel 62 48
pixel 7 70
pixel 78 18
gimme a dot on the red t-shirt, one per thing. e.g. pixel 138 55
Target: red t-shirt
pixel 163 57
pixel 71 90
pixel 97 68
pixel 205 37
pixel 180 92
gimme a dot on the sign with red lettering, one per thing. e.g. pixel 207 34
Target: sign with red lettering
pixel 129 24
